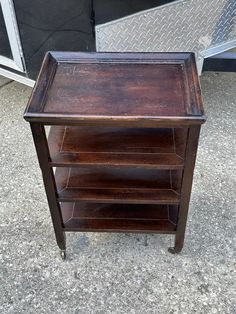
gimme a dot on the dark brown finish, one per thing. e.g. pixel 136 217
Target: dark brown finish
pixel 117 89
pixel 101 88
pixel 113 217
pixel 121 195
pixel 123 139
pixel 49 182
pixel 118 185
pixel 146 148
pixel 191 153
pixel 116 177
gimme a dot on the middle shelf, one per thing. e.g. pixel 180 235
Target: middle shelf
pixel 108 146
pixel 118 185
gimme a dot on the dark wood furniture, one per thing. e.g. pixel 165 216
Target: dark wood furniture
pixel 123 140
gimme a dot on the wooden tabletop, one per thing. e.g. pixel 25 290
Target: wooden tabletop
pixel 130 89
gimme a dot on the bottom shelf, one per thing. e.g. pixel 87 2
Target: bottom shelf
pixel 82 216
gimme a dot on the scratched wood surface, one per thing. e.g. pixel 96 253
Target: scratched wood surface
pixel 117 89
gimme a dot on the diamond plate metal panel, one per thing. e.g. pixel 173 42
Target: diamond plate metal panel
pixel 205 27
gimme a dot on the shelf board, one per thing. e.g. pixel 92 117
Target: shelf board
pixel 119 217
pixel 118 185
pixel 137 196
pixel 146 148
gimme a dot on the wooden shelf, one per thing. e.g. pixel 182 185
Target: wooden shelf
pixel 137 196
pixel 146 148
pixel 119 217
pixel 118 185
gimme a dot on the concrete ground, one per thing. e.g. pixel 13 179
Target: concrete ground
pixel 117 273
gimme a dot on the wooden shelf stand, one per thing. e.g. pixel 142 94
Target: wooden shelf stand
pixel 121 149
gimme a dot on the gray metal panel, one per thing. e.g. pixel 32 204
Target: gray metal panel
pixel 205 27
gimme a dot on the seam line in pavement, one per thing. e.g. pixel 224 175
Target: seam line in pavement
pixel 5 84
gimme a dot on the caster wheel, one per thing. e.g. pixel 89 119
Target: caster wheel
pixel 63 254
pixel 173 250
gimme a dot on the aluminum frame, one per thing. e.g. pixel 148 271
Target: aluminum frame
pixel 17 77
pixel 17 62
